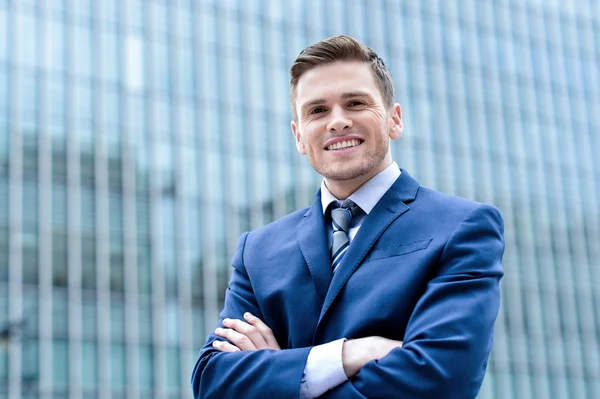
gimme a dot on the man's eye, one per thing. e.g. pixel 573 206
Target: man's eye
pixel 317 110
pixel 355 103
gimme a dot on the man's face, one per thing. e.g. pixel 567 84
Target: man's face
pixel 343 124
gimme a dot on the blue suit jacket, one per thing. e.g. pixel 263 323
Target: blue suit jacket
pixel 424 268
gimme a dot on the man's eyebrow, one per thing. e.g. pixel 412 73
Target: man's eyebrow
pixel 356 94
pixel 351 94
pixel 316 101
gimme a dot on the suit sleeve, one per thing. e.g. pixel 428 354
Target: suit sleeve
pixel 449 335
pixel 246 374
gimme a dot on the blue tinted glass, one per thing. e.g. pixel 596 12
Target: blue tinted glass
pixel 4 37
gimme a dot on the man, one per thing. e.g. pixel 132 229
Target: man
pixel 380 289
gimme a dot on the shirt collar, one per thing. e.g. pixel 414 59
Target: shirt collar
pixel 369 194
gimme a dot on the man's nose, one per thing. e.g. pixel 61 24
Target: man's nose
pixel 339 121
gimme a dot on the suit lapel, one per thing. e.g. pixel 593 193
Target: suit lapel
pixel 388 209
pixel 313 245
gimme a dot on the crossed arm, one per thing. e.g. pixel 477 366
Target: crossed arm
pixel 446 344
pixel 252 334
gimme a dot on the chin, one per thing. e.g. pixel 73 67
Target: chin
pixel 343 173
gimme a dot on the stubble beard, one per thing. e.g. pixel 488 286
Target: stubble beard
pixel 354 169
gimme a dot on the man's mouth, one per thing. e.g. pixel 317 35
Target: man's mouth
pixel 343 145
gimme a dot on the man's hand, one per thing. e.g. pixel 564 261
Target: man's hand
pixel 245 336
pixel 252 334
pixel 358 352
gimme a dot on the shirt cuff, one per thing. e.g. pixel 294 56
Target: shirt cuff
pixel 324 369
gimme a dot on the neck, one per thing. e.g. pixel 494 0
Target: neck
pixel 342 189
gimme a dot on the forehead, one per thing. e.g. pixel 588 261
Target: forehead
pixel 334 79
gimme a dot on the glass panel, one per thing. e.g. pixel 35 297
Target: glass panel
pixel 29 238
pixel 30 318
pixel 89 377
pixel 60 325
pixel 109 56
pixel 60 270
pixel 117 320
pixel 172 367
pixel 29 361
pixel 4 373
pixel 4 43
pixel 4 245
pixel 88 262
pixel 134 78
pixel 89 316
pixel 27 34
pixel 117 365
pixel 27 85
pixel 55 45
pixel 60 364
pixel 146 365
pixel 144 270
pixel 82 50
pixel 145 319
pixel 4 111
pixel 171 322
pixel 198 326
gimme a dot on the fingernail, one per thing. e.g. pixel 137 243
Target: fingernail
pixel 216 343
pixel 218 330
pixel 225 321
pixel 247 315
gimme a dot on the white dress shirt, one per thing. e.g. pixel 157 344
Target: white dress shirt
pixel 324 369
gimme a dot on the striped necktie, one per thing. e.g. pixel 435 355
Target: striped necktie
pixel 341 218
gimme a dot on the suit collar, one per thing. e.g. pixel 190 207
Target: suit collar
pixel 405 188
pixel 312 241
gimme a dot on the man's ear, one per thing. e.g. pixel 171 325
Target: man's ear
pixel 396 126
pixel 298 136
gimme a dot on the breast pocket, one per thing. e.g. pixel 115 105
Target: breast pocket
pixel 398 249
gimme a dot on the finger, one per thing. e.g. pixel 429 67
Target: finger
pixel 224 346
pixel 249 331
pixel 240 340
pixel 264 330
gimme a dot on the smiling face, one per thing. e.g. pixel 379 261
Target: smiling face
pixel 343 125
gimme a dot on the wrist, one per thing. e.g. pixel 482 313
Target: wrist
pixel 351 358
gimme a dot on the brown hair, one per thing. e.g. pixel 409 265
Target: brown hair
pixel 340 48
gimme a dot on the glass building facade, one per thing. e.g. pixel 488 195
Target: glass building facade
pixel 139 139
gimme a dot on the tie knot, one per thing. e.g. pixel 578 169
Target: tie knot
pixel 343 214
pixel 348 204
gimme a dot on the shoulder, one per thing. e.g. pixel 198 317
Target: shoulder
pixel 279 230
pixel 268 239
pixel 432 202
pixel 439 206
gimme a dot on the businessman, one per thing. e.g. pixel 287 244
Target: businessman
pixel 382 288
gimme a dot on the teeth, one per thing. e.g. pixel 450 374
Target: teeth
pixel 344 144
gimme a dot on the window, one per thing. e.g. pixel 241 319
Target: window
pixel 134 61
pixel 117 319
pixel 172 369
pixel 146 367
pixel 59 260
pixel 89 371
pixel 4 28
pixel 55 44
pixel 27 35
pixel 60 364
pixel 82 51
pixel 109 56
pixel 117 365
